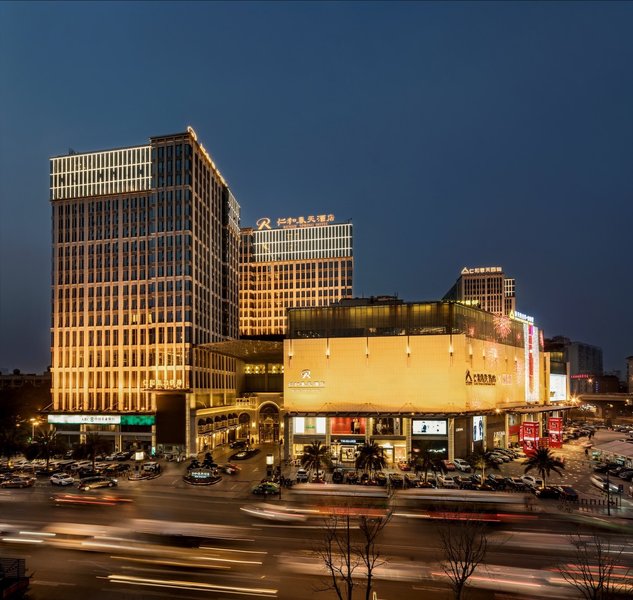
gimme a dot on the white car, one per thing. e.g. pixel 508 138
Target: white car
pixel 462 465
pixel 600 482
pixel 62 479
pixel 531 481
pixel 447 481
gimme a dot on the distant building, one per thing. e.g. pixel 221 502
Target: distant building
pixel 629 374
pixel 584 364
pixel 486 288
pixel 297 263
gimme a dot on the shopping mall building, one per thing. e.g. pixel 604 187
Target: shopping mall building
pixel 438 375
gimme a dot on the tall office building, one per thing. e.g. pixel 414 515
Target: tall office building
pixel 144 274
pixel 300 262
pixel 485 287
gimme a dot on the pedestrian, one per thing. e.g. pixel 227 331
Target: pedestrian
pixel 586 451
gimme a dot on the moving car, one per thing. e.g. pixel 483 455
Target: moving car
pixel 17 482
pixel 266 488
pixel 229 468
pixel 601 482
pixel 90 483
pixel 239 444
pixel 462 465
pixel 62 479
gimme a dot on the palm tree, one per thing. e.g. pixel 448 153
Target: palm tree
pixel 314 456
pixel 371 457
pixel 47 444
pixel 544 462
pixel 91 447
pixel 482 461
pixel 422 461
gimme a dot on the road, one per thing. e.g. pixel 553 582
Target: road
pixel 243 556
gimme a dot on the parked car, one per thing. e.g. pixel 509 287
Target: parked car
pixel 403 465
pixel 495 481
pixel 302 476
pixel 495 458
pixel 462 465
pixel 266 488
pixel 82 464
pixel 90 483
pixel 531 481
pixel 380 478
pixel 547 493
pixel 464 483
pixel 448 465
pixel 62 479
pixel 338 476
pixel 626 474
pixel 514 483
pixel 447 481
pixel 396 480
pixel 410 480
pixel 567 492
pixel 239 444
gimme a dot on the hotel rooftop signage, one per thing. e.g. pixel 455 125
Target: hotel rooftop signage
pixel 291 222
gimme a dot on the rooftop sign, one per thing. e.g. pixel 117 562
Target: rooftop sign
pixel 519 316
pixel 292 222
pixel 102 419
pixel 481 270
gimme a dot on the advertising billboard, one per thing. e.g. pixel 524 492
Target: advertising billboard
pixel 529 436
pixel 557 387
pixel 555 427
pixel 347 425
pixel 309 425
pixel 478 428
pixel 428 427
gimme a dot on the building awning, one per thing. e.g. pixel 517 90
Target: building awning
pixel 537 409
pixel 619 447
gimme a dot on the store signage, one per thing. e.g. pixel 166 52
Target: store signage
pixel 162 384
pixel 480 378
pixel 519 316
pixel 306 381
pixel 349 441
pixel 85 419
pixel 292 222
pixel 102 419
pixel 428 427
pixel 478 428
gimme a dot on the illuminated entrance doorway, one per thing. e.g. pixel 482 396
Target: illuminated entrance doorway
pixel 269 423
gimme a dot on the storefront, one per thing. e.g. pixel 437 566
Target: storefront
pixel 430 435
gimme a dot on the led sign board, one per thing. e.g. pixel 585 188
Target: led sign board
pixel 102 419
pixel 478 429
pixel 428 427
pixel 291 222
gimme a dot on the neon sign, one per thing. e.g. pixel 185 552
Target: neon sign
pixel 292 222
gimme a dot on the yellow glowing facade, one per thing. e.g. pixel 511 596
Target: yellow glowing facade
pixel 145 257
pixel 355 372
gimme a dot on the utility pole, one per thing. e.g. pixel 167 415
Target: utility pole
pixel 608 495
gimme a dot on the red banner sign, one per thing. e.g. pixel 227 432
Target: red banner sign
pixel 529 436
pixel 555 426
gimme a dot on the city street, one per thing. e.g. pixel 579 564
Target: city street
pixel 241 555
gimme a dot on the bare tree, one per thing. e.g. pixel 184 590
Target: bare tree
pixel 596 571
pixel 350 553
pixel 464 546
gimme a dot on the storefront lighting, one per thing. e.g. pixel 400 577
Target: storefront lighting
pixel 450 349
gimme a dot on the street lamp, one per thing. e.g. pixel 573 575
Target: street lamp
pixel 34 423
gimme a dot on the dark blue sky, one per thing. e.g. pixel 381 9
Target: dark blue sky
pixel 451 134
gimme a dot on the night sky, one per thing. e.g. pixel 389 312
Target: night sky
pixel 451 134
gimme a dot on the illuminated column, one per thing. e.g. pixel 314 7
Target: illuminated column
pixel 328 432
pixel 451 438
pixel 406 425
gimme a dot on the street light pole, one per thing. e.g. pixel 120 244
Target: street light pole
pixel 281 476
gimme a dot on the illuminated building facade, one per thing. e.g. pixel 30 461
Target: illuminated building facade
pixel 300 262
pixel 486 288
pixel 409 376
pixel 144 275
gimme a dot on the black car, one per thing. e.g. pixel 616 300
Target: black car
pixel 496 482
pixel 463 483
pixel 515 484
pixel 338 476
pixel 566 492
pixel 547 493
pixel 239 444
pixel 626 474
pixel 396 480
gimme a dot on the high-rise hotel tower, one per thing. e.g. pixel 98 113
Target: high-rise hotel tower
pixel 295 262
pixel 144 274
